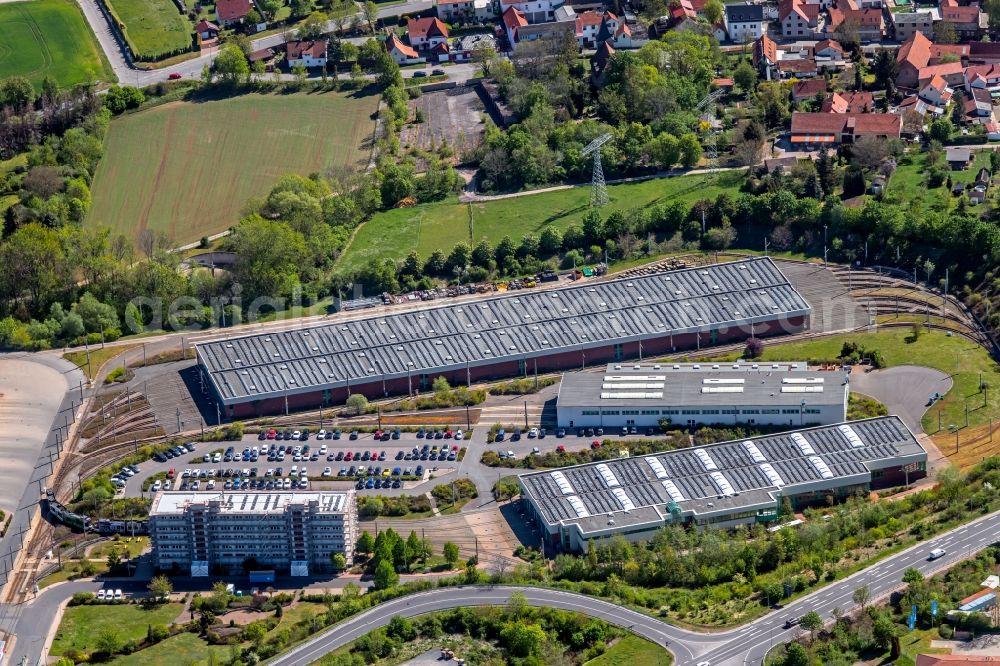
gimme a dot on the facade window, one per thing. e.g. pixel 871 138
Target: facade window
pixel 618 351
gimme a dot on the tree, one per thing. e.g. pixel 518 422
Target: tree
pixel 160 587
pixel 944 33
pixel 745 75
pixel 940 130
pixel 114 558
pixel 356 403
pixel 811 622
pixel 365 544
pixel 385 575
pixel 749 139
pixel 255 633
pixel 414 546
pixel 884 67
pixel 883 629
pixel 450 552
pixel 338 561
pixel 713 11
pixel 312 27
pixel 754 348
pixel 96 316
pixel 913 577
pixel 522 639
pixel 17 93
pixel 300 73
pixel 862 596
pixel 231 64
pixel 108 640
pixel 370 12
pixel 795 655
pixel 690 150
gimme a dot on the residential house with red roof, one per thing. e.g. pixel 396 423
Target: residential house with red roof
pixel 310 53
pixel 869 21
pixel 206 30
pixel 403 54
pixel 232 12
pixel 919 59
pixel 985 77
pixel 426 33
pixel 817 129
pixel 932 98
pixel 970 21
pixel 799 19
pixel 808 89
pixel 513 20
pixel 535 11
pixel 465 11
pixel 828 49
pixel 984 53
pixel 765 53
pixel 851 101
pixel 977 103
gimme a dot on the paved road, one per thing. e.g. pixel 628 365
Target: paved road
pixel 904 389
pixel 191 69
pixel 739 647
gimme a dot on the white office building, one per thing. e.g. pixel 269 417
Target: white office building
pixel 693 394
pixel 291 532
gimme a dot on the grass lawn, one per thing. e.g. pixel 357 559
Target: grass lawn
pixel 49 38
pixel 98 357
pixel 395 233
pixel 960 358
pixel 71 571
pixel 184 648
pixel 81 625
pixel 187 168
pixel 154 27
pixel 907 182
pixel 292 615
pixel 633 651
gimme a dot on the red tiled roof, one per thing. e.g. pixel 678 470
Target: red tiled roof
pixel 852 101
pixel 916 51
pixel 313 48
pixel 585 19
pixel 797 65
pixel 231 10
pixel 938 50
pixel 944 69
pixel 808 88
pixel 828 44
pixel 789 7
pixel 765 48
pixel 723 83
pixel 426 27
pixel 887 124
pixel 514 18
pixel 938 83
pixel 393 43
pixel 864 17
pixel 964 14
pixel 205 26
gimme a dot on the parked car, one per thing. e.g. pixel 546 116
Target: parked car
pixel 174 76
pixel 419 74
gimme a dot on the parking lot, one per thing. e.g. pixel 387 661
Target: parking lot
pixel 296 463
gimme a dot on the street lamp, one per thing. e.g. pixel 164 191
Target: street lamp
pixel 824 245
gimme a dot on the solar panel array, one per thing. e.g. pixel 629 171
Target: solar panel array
pixel 487 331
pixel 771 462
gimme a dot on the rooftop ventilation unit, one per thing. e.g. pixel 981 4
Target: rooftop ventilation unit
pixel 672 490
pixel 723 380
pixel 772 475
pixel 802 380
pixel 706 460
pixel 852 436
pixel 754 452
pixel 609 477
pixel 577 504
pixel 623 499
pixel 564 486
pixel 804 446
pixel 722 389
pixel 657 467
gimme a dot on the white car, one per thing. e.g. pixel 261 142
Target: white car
pixel 210 485
pixel 321 435
pixel 535 450
pixel 533 433
pixel 936 553
pixel 294 471
pixel 510 454
pixel 322 450
pixel 118 594
pixel 327 471
pixel 100 594
pixel 287 484
pixel 186 473
pixel 168 484
pixel 217 458
pixel 207 457
pixel 296 435
pixel 459 435
pixel 157 485
pixel 196 485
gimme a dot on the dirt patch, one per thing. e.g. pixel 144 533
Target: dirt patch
pixel 453 117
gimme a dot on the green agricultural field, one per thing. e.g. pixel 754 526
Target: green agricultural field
pixel 154 27
pixel 396 233
pixel 40 38
pixel 187 168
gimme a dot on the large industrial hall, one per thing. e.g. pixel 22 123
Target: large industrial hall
pixel 721 485
pixel 504 336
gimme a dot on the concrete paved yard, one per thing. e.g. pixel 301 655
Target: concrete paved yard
pixel 450 116
pixel 30 394
pixel 905 390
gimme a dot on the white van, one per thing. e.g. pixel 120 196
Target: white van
pixel 936 553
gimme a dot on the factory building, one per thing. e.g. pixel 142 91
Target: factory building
pixel 510 335
pixel 693 394
pixel 292 532
pixel 721 485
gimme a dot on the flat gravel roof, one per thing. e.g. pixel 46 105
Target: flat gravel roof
pixel 721 478
pixel 513 326
pixel 679 385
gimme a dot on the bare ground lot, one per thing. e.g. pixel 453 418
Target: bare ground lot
pixel 451 116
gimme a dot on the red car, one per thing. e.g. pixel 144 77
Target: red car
pixel 378 434
pixel 349 456
pixel 595 444
pixel 448 434
pixel 174 76
pixel 560 449
pixel 271 434
pixel 172 473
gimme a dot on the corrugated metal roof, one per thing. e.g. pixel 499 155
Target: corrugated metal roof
pixel 681 476
pixel 503 328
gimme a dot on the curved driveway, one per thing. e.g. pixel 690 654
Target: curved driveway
pixel 745 645
pixel 904 389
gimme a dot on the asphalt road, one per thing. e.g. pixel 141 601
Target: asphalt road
pixel 746 645
pixel 904 389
